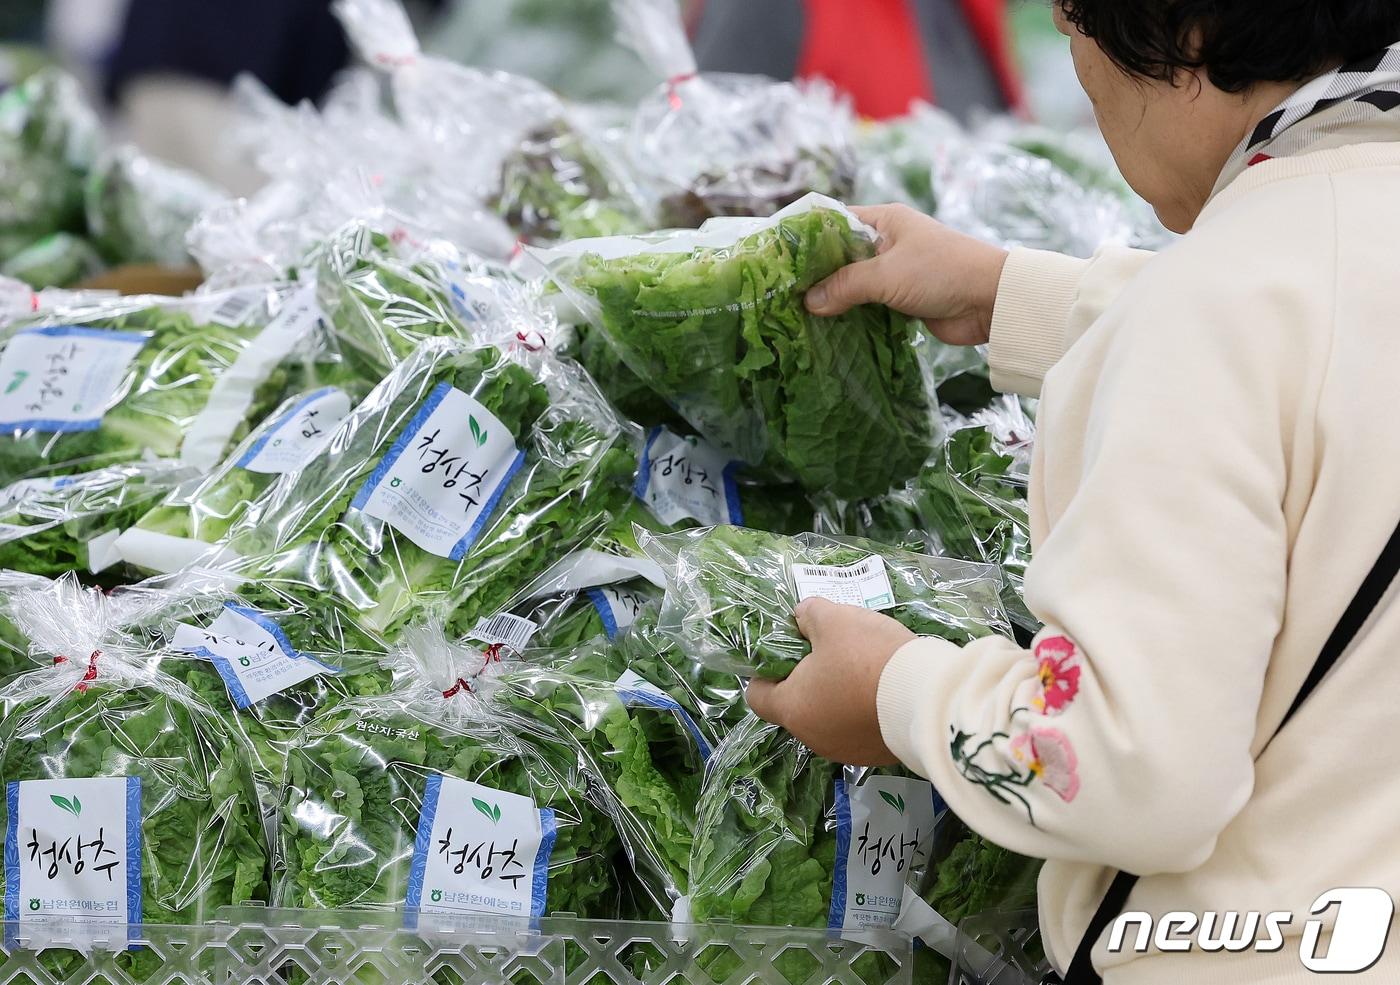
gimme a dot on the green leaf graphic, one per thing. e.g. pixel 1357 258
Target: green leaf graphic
pixel 492 813
pixel 20 376
pixel 896 802
pixel 71 806
pixel 478 435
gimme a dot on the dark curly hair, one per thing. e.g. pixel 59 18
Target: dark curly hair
pixel 1236 42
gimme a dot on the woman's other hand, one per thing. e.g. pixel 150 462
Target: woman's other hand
pixel 924 270
pixel 828 701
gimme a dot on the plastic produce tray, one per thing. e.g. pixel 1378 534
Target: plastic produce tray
pixel 302 947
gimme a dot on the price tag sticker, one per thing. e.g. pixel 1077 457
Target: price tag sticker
pixel 865 583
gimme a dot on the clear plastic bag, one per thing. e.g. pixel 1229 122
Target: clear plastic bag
pixel 139 210
pixel 714 322
pixel 71 523
pixel 717 144
pixel 191 840
pixel 48 139
pixel 115 381
pixel 458 481
pixel 507 139
pixel 731 592
pixel 430 799
pixel 57 260
pixel 785 838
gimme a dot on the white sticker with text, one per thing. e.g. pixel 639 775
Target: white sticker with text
pixel 63 378
pixel 251 654
pixel 298 435
pixel 865 583
pixel 884 830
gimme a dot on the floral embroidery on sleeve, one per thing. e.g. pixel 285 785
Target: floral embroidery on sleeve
pixel 1031 753
pixel 1059 675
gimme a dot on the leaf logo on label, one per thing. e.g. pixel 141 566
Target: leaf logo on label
pixel 478 435
pixel 20 376
pixel 437 895
pixel 34 904
pixel 894 800
pixel 74 806
pixel 492 811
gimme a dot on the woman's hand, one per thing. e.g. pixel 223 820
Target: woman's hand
pixel 924 270
pixel 828 701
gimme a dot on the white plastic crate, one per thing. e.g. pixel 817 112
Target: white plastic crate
pixel 256 946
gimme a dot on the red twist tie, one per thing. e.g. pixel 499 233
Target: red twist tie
pixel 458 688
pixel 492 654
pixel 673 84
pixel 524 340
pixel 91 674
pixel 33 301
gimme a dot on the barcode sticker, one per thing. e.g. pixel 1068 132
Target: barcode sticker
pixel 865 583
pixel 506 629
pixel 237 307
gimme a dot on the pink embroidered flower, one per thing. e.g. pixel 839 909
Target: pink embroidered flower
pixel 1047 753
pixel 1059 674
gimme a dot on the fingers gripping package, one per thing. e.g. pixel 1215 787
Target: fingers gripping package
pixel 717 144
pixel 508 139
pixel 714 322
pixel 123 786
pixel 731 592
pixel 427 798
pixel 459 480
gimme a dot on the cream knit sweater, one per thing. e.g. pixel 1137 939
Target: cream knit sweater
pixel 1217 468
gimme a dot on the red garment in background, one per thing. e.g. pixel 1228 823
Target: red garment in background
pixel 873 50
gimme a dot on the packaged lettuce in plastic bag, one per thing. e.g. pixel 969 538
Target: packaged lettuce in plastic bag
pixel 49 526
pixel 457 482
pixel 785 838
pixel 714 322
pixel 430 799
pixel 15 655
pixel 506 138
pixel 241 664
pixel 57 260
pixel 120 380
pixel 718 144
pixel 646 745
pixel 125 785
pixel 731 592
pixel 562 620
pixel 48 139
pixel 139 209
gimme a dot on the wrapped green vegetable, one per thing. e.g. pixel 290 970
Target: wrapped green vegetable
pixel 137 767
pixel 71 523
pixel 125 379
pixel 57 260
pixel 429 799
pixel 715 323
pixel 456 483
pixel 731 593
pixel 48 138
pixel 139 210
pixel 718 144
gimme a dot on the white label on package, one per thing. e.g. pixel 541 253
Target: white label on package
pixel 251 654
pixel 235 308
pixel 73 851
pixel 633 690
pixel 444 476
pixel 298 435
pixel 865 583
pixel 507 629
pixel 478 850
pixel 884 828
pixel 617 607
pixel 63 378
pixel 683 478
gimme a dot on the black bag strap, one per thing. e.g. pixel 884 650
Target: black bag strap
pixel 1368 596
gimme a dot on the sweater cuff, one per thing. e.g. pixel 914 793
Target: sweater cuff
pixel 903 689
pixel 1034 297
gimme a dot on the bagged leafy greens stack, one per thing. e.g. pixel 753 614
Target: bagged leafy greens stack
pixel 139 209
pixel 508 140
pixel 429 799
pixel 460 479
pixel 127 785
pixel 718 144
pixel 731 592
pixel 57 260
pixel 714 322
